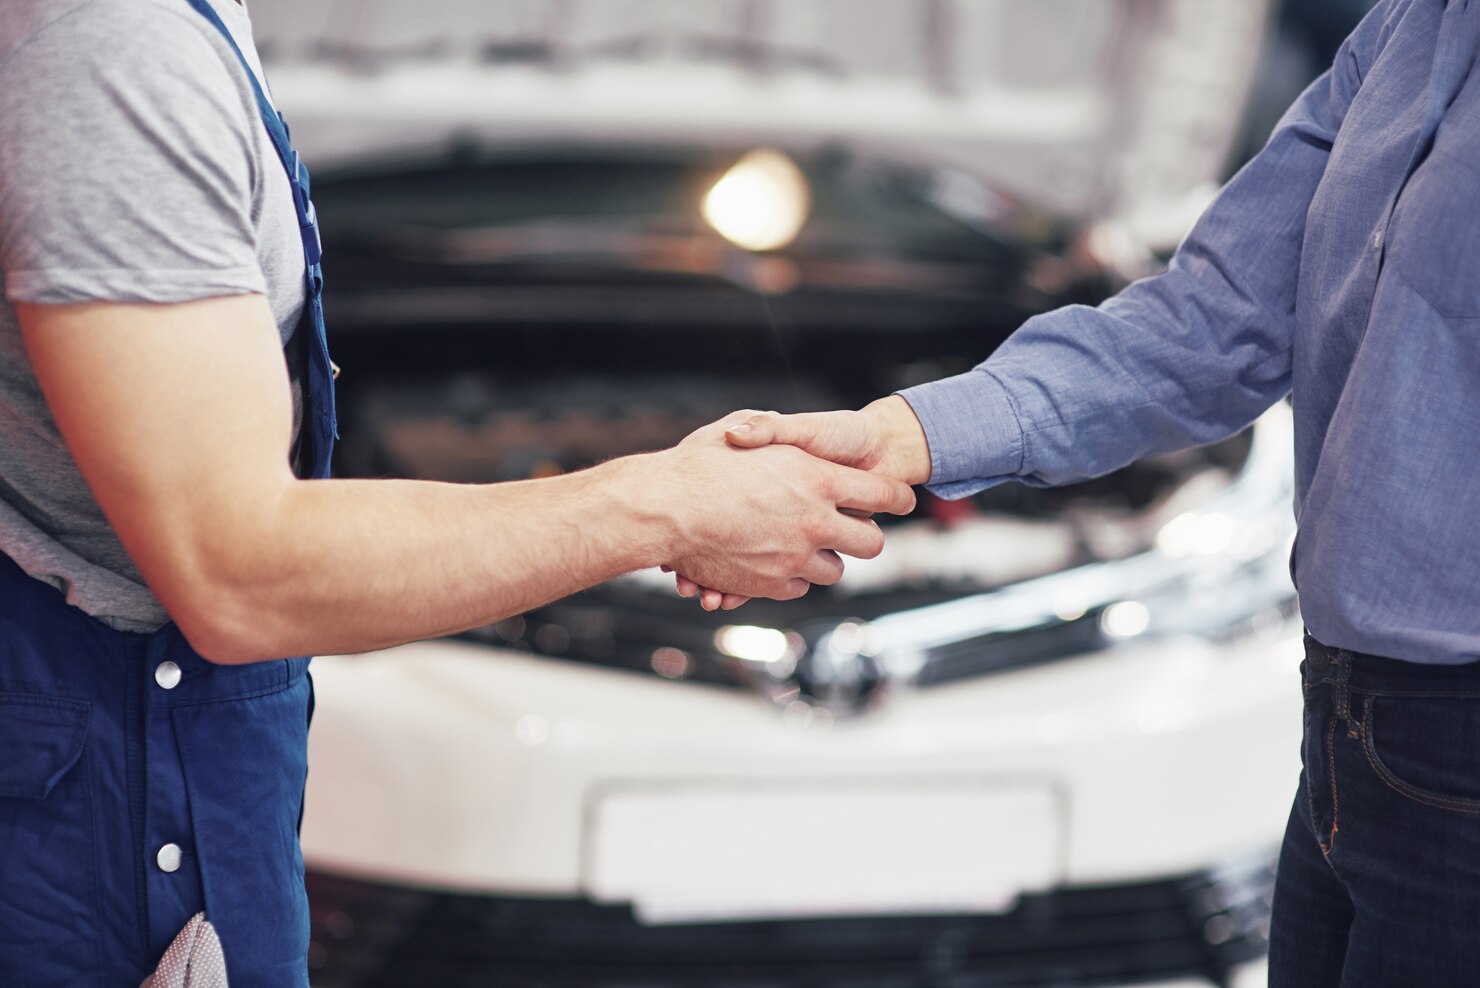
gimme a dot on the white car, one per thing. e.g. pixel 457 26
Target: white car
pixel 1025 793
pixel 1047 738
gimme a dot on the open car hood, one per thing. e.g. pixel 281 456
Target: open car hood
pixel 1095 109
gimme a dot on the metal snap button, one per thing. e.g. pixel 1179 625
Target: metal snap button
pixel 168 858
pixel 167 675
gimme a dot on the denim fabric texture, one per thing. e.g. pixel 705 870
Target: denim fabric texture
pixel 1379 876
pixel 1342 264
pixel 111 766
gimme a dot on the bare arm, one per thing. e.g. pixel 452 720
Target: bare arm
pixel 179 417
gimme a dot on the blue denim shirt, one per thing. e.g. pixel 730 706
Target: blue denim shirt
pixel 1342 264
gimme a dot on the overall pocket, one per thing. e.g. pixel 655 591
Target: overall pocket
pixel 1425 747
pixel 48 866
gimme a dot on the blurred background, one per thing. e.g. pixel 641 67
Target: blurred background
pixel 1048 738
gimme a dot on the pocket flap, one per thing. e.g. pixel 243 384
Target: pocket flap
pixel 41 738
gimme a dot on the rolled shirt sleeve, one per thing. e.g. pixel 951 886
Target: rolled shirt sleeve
pixel 1190 356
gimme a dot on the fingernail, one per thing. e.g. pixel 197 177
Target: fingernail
pixel 742 427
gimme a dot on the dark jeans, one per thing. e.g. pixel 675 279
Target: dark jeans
pixel 1379 876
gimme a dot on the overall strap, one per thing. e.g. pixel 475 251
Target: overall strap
pixel 277 129
pixel 320 419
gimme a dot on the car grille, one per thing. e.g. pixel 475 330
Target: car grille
pixel 371 935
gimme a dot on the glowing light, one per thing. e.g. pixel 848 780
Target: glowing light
pixel 797 715
pixel 671 663
pixel 760 203
pixel 1126 619
pixel 744 641
pixel 1069 607
pixel 853 638
pixel 552 639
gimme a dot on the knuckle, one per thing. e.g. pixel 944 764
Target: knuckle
pixel 814 532
pixel 802 563
pixel 826 484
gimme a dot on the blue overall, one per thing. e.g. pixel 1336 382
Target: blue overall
pixel 139 783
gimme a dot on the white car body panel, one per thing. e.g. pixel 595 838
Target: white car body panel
pixel 459 766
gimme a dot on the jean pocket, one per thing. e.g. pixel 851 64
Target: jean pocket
pixel 1425 748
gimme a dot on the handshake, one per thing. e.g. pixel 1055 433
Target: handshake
pixel 767 504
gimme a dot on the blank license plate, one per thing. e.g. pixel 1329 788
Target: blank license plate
pixel 767 850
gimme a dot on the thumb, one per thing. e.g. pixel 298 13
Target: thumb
pixel 808 430
pixel 759 430
pixel 837 436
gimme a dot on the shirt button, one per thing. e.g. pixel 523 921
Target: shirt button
pixel 168 858
pixel 167 675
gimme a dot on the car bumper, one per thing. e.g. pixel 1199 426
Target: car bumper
pixel 460 767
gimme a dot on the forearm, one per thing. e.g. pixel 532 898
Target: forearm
pixel 1180 359
pixel 1082 391
pixel 352 565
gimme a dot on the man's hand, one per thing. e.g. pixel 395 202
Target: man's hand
pixel 770 521
pixel 884 438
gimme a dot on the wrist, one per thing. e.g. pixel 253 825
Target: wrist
pixel 901 436
pixel 637 500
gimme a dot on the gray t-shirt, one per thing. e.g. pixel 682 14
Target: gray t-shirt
pixel 134 167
